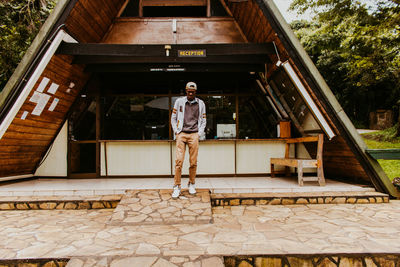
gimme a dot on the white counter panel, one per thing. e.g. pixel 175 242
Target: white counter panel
pixel 126 158
pixel 214 158
pixel 254 157
pixel 154 158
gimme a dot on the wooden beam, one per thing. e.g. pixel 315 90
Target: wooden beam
pixel 287 108
pixel 303 139
pixel 180 68
pixel 226 8
pixel 174 2
pixel 241 59
pixel 121 10
pixel 77 49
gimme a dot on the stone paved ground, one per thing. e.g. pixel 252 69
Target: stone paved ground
pixel 139 207
pixel 239 230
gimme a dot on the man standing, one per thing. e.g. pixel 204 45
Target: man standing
pixel 188 122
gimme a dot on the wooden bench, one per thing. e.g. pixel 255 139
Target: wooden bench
pixel 299 163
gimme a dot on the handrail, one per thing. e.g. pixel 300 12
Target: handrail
pixel 302 139
pixel 390 153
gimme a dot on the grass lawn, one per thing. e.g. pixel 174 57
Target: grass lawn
pixel 381 140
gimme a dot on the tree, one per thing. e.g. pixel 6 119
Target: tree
pixel 357 49
pixel 20 21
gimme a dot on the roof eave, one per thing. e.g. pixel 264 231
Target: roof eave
pixel 33 51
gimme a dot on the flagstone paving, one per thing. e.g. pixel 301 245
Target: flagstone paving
pixel 240 230
pixel 140 207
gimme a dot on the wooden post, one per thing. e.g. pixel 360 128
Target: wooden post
pixel 69 147
pixel 320 160
pixel 272 170
pixel 287 155
pixel 140 8
pixel 237 115
pixel 235 147
pixel 170 134
pixel 105 158
pixel 98 135
pixel 300 173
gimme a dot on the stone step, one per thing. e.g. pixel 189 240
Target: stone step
pixel 61 192
pixel 217 199
pixel 292 190
pixel 115 186
pixel 357 197
pixel 140 207
pixel 368 260
pixel 120 261
pixel 59 202
pixel 348 259
pixel 62 262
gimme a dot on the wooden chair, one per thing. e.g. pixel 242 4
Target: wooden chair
pixel 299 163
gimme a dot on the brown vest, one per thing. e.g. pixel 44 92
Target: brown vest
pixel 191 119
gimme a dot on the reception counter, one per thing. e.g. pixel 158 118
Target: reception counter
pixel 216 157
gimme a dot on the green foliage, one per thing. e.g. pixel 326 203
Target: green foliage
pixel 357 49
pixel 20 21
pixel 390 167
pixel 388 136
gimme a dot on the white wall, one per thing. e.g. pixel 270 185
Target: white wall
pixel 55 163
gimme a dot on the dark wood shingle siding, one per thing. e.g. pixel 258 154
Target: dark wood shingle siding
pixel 32 137
pixel 90 20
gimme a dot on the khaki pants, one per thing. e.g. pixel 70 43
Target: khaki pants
pixel 192 140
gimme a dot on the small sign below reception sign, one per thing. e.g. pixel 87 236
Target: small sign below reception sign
pixel 192 53
pixel 167 69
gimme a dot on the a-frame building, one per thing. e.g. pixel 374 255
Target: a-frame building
pixel 93 94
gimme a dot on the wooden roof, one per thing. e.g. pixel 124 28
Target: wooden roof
pixel 25 142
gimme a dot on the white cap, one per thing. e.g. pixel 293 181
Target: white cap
pixel 191 85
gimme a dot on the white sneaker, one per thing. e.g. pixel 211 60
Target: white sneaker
pixel 176 192
pixel 192 190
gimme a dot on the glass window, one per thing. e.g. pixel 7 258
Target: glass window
pixel 257 120
pixel 221 117
pixel 143 117
pixel 135 118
